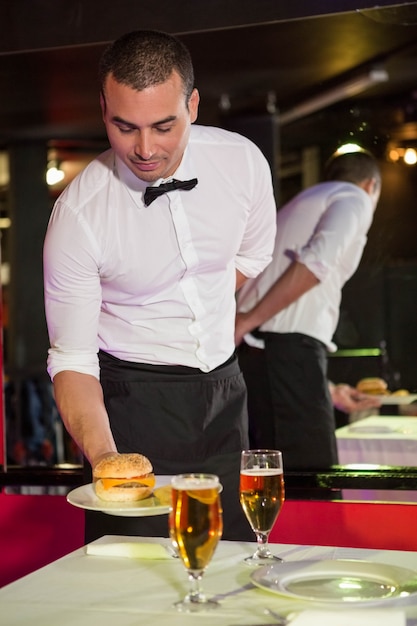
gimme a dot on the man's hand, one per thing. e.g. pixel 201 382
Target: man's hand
pixel 348 399
pixel 291 285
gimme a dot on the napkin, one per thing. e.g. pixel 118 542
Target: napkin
pixel 347 617
pixel 130 549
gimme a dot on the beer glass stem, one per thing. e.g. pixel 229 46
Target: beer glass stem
pixel 195 592
pixel 262 541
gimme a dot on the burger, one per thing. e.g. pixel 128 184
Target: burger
pixel 374 386
pixel 124 478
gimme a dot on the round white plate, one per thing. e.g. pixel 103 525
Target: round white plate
pixel 393 399
pixel 85 497
pixel 373 429
pixel 337 581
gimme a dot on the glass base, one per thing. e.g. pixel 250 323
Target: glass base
pixel 262 558
pixel 193 605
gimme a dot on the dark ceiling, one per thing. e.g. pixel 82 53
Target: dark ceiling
pixel 48 61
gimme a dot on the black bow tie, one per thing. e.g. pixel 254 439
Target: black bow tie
pixel 152 193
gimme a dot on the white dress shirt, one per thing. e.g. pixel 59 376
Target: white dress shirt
pixel 324 227
pixel 156 284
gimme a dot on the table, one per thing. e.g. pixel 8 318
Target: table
pixel 379 439
pixel 91 590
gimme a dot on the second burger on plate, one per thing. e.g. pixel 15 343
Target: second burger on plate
pixel 373 385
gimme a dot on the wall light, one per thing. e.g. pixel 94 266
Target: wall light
pixel 54 173
pixel 410 156
pixel 398 154
pixel 5 222
pixel 343 91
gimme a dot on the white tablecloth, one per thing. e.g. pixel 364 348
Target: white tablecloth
pixel 84 590
pixel 381 440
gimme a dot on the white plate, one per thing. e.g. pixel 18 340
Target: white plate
pixel 393 399
pixel 337 581
pixel 372 429
pixel 85 497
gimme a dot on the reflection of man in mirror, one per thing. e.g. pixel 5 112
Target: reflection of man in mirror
pixel 294 305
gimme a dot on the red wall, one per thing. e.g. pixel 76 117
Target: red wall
pixel 35 530
pixel 2 417
pixel 350 524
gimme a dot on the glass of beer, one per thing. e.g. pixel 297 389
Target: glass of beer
pixel 195 527
pixel 261 496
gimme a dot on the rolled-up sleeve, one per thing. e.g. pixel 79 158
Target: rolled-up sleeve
pixel 347 217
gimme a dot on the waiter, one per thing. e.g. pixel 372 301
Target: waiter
pixel 140 279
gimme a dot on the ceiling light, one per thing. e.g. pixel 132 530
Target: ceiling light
pixel 327 97
pixel 347 148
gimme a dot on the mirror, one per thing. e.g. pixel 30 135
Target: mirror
pixel 285 64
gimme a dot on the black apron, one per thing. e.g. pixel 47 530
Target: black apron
pixel 290 407
pixel 184 420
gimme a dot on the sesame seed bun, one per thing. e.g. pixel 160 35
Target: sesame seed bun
pixel 373 385
pixel 123 466
pixel 124 478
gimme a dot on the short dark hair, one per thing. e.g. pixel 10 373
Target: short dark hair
pixel 353 167
pixel 143 58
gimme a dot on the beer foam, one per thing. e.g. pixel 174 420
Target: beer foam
pixel 262 471
pixel 195 482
